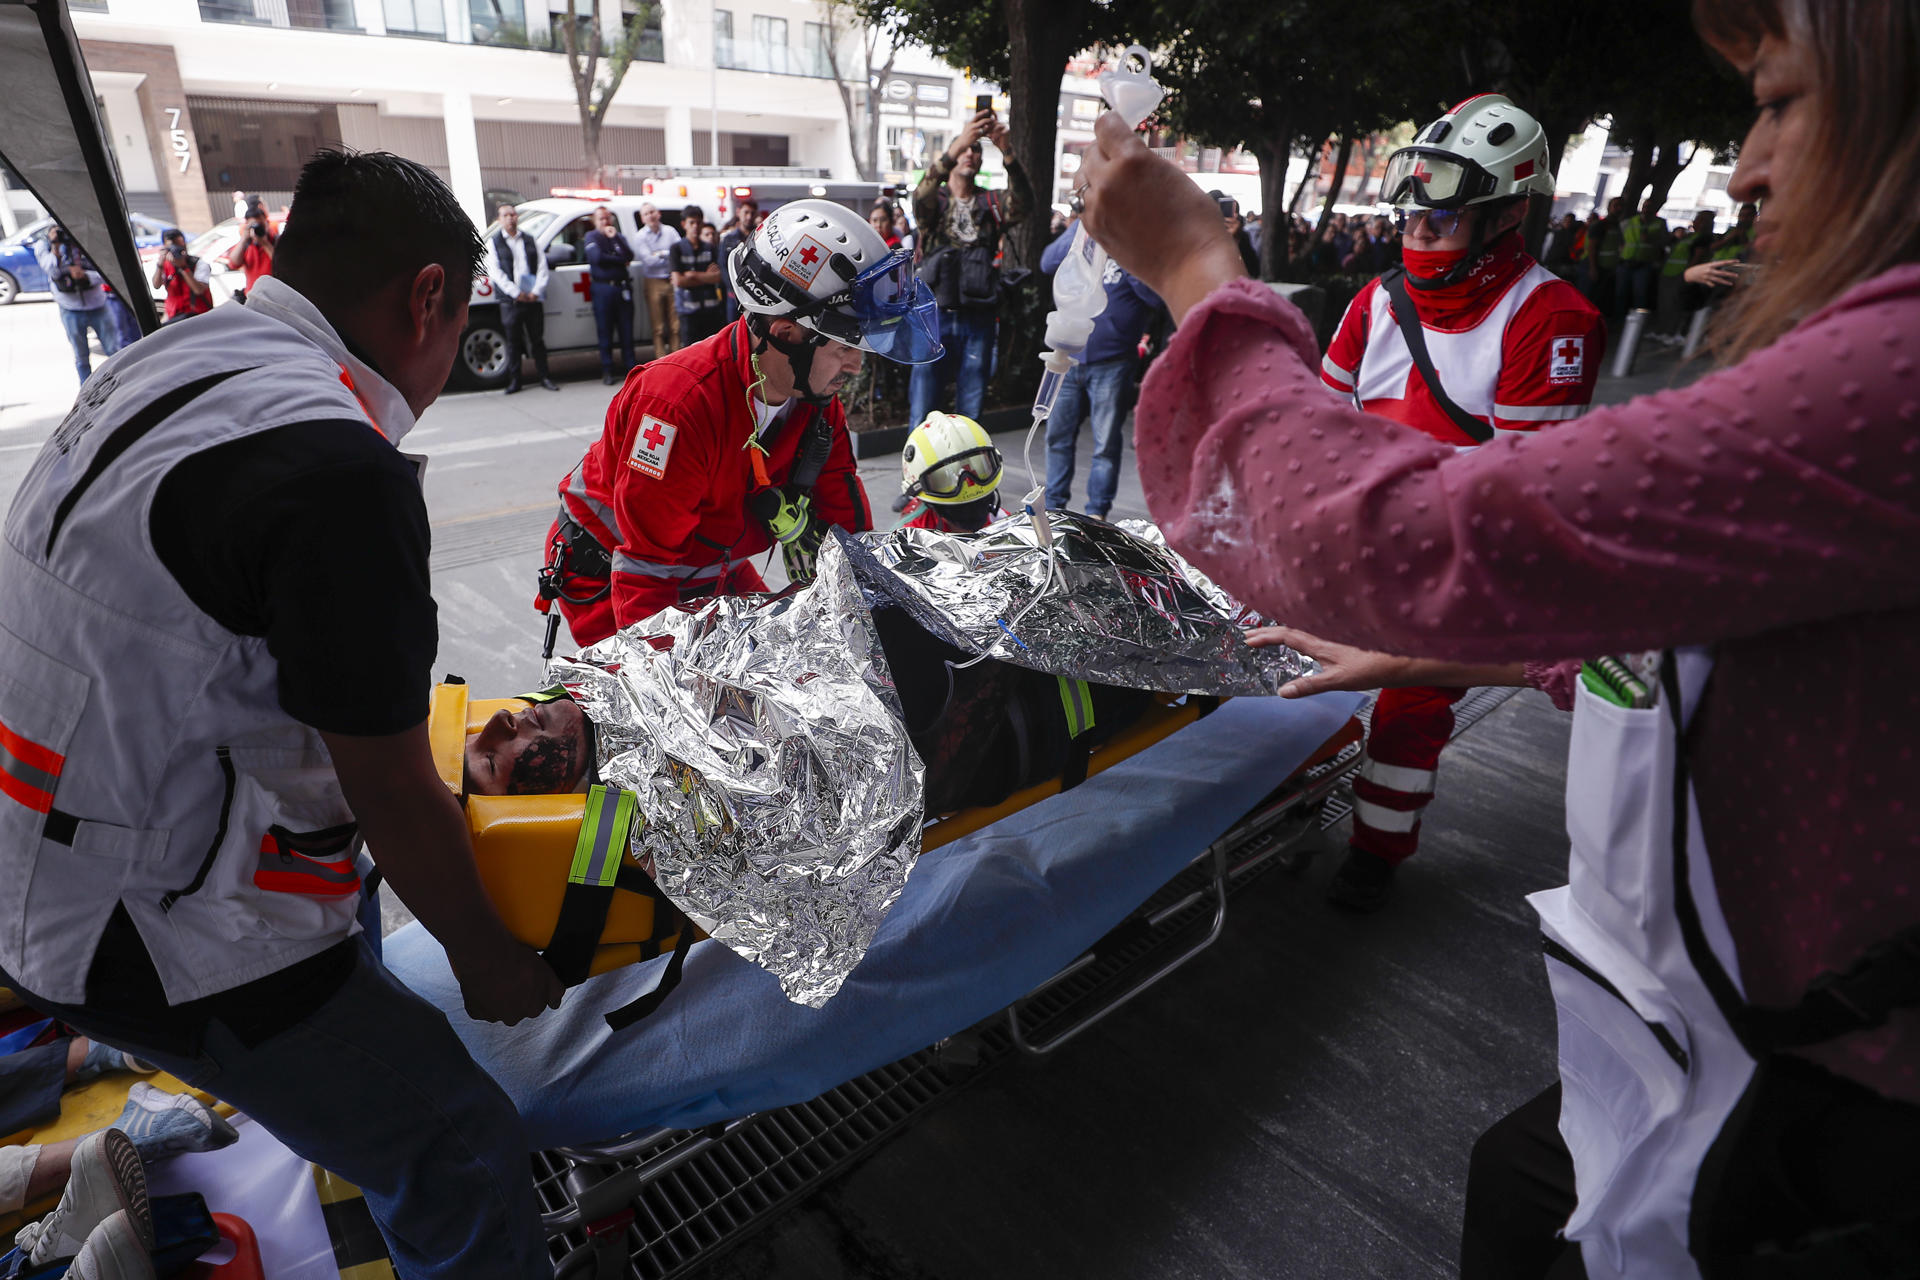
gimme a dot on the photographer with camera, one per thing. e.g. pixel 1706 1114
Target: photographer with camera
pixel 960 229
pixel 187 279
pixel 253 253
pixel 81 293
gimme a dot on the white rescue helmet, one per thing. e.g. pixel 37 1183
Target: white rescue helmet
pixel 825 268
pixel 1482 150
pixel 949 460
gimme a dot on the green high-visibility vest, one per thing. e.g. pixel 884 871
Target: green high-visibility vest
pixel 1607 257
pixel 1677 257
pixel 1636 240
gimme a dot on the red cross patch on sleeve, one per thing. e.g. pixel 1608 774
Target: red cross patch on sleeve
pixel 1566 361
pixel 652 443
pixel 804 263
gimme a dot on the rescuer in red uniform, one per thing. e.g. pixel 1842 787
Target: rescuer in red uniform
pixel 713 454
pixel 1473 340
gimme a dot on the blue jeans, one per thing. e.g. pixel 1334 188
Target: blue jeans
pixel 613 305
pixel 1105 389
pixel 375 1087
pixel 77 323
pixel 969 343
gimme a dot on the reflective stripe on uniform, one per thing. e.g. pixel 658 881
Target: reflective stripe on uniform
pixel 1334 372
pixel 328 871
pixel 1381 818
pixel 603 836
pixel 1397 777
pixel 624 563
pixel 577 490
pixel 1539 412
pixel 1077 699
pixel 28 771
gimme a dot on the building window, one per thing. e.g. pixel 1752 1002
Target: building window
pixel 723 38
pixel 758 148
pixel 813 51
pixel 504 22
pixel 641 20
pixel 769 51
pixel 416 18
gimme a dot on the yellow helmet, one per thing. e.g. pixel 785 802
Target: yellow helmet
pixel 949 460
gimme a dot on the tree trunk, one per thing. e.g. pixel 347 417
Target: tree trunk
pixel 1641 138
pixel 1040 40
pixel 1333 192
pixel 1665 170
pixel 1307 176
pixel 1276 227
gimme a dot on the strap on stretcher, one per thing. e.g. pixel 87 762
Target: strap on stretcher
pixel 600 870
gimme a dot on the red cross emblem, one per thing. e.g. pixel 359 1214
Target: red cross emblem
pixel 808 254
pixel 1569 350
pixel 653 435
pixel 584 288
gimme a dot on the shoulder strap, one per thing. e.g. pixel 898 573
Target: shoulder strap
pixel 1395 286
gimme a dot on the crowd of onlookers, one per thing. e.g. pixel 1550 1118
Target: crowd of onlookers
pixel 1625 260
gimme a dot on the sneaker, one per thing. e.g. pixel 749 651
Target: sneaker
pixel 115 1251
pixel 106 1181
pixel 164 1124
pixel 1363 883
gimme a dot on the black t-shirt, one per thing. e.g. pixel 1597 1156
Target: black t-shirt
pixel 314 536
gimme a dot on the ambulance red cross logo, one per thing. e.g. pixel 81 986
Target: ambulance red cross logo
pixel 804 263
pixel 1566 361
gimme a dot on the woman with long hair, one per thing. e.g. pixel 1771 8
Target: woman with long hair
pixel 1736 961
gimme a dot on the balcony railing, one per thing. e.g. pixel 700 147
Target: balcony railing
pixel 313 15
pixel 775 59
pixel 512 35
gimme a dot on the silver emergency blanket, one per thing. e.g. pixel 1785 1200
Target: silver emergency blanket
pixel 766 743
pixel 1114 605
pixel 766 746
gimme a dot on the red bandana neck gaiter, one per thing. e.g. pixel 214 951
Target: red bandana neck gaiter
pixel 1449 305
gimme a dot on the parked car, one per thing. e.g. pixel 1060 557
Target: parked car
pixel 559 227
pixel 20 270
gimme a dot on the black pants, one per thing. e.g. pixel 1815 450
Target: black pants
pixel 695 325
pixel 1519 1195
pixel 526 326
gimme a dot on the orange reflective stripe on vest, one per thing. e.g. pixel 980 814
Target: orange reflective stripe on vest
pixel 28 771
pixel 316 863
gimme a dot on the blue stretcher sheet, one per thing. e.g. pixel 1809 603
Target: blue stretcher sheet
pixel 982 921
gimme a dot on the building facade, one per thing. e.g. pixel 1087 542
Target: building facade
pixel 203 98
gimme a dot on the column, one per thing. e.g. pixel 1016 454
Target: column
pixel 463 155
pixel 680 135
pixel 459 24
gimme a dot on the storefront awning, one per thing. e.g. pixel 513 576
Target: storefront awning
pixel 51 136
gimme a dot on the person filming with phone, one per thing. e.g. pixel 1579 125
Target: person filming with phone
pixel 960 228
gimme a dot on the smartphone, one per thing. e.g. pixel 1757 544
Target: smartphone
pixel 983 103
pixel 1227 206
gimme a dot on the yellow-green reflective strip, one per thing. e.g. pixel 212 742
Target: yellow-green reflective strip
pixel 602 838
pixel 1077 699
pixel 553 694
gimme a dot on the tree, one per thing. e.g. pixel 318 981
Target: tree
pixel 1282 75
pixel 596 81
pixel 1023 46
pixel 842 21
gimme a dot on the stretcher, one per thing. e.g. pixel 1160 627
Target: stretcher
pixel 992 911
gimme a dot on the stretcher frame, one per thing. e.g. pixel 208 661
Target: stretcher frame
pixel 633 1206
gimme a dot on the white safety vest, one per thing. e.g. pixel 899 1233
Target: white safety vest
pixel 1468 362
pixel 144 757
pixel 1650 1069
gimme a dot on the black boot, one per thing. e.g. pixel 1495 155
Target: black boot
pixel 1363 883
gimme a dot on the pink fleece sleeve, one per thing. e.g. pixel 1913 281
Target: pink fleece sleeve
pixel 1777 491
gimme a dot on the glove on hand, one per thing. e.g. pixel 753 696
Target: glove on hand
pixel 799 533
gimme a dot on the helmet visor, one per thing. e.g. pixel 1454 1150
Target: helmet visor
pixel 887 311
pixel 1429 178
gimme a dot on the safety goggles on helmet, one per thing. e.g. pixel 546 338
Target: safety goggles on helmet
pixel 1440 222
pixel 1430 178
pixel 949 477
